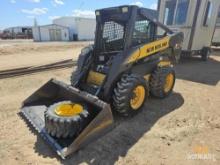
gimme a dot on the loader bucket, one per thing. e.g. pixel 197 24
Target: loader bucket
pixel 53 91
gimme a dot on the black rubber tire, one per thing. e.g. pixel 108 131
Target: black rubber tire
pixel 74 76
pixel 205 54
pixel 157 82
pixel 64 127
pixel 123 93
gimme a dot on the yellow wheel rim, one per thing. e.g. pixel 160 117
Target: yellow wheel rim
pixel 138 98
pixel 169 83
pixel 68 110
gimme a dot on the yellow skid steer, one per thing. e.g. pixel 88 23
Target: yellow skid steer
pixel 132 58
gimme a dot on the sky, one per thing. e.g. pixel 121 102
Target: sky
pixel 23 12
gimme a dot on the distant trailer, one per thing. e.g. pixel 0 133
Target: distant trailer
pixel 51 32
pixel 195 18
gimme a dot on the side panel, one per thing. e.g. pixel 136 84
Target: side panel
pixel 149 49
pixel 203 34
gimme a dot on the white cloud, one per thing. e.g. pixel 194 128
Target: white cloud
pixel 57 2
pixel 12 1
pixel 34 1
pixel 153 6
pixel 30 16
pixel 35 11
pixel 84 13
pixel 138 3
pixel 53 17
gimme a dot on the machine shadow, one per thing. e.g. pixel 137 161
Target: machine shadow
pixel 205 72
pixel 126 132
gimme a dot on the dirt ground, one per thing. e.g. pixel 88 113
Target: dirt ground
pixel 167 132
pixel 20 53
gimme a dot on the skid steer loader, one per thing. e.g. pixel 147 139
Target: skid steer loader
pixel 132 58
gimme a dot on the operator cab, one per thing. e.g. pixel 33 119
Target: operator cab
pixel 121 28
pixel 119 32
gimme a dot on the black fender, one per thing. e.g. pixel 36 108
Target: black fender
pixel 84 56
pixel 119 67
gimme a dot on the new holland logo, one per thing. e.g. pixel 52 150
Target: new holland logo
pixel 149 49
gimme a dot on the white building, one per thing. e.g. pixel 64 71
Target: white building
pixel 51 32
pixel 79 28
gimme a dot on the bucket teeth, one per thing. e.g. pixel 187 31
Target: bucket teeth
pixel 31 118
pixel 30 121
